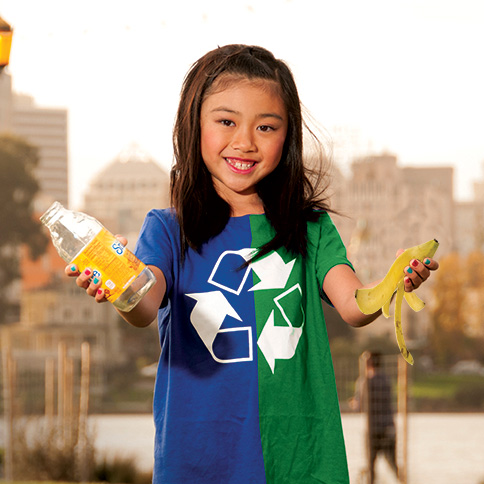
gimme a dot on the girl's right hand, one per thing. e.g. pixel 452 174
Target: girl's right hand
pixel 85 279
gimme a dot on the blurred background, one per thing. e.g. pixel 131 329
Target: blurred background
pixel 88 96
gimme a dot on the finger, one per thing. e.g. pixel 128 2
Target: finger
pixel 72 270
pixel 408 284
pixel 420 268
pixel 122 239
pixel 94 285
pixel 412 279
pixel 99 296
pixel 84 278
pixel 431 264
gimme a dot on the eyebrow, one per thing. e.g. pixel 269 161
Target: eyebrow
pixel 261 115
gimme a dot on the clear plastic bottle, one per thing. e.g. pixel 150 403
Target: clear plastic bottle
pixel 82 240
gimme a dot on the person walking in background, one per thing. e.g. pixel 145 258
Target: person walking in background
pixel 373 394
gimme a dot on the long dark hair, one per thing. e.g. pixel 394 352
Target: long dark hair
pixel 291 195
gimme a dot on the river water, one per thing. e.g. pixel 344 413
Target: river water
pixel 443 448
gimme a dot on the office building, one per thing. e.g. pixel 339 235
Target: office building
pixel 44 128
pixel 123 193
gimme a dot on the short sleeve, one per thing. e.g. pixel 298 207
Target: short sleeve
pixel 158 243
pixel 330 250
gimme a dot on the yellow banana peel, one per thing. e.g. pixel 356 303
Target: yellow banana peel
pixel 398 323
pixel 414 301
pixel 379 297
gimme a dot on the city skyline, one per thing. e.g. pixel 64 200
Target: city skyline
pixel 403 78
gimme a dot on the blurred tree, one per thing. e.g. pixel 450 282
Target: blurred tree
pixel 475 269
pixel 447 312
pixel 474 302
pixel 18 188
pixel 457 309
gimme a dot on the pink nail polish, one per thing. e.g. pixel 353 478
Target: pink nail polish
pixel 87 272
pixel 415 262
pixel 99 291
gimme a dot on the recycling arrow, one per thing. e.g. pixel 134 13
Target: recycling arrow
pixel 272 271
pixel 207 318
pixel 278 342
pixel 245 255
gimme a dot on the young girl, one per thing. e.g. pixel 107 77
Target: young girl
pixel 245 390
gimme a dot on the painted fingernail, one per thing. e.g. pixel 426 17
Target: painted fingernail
pixel 427 261
pixel 87 272
pixel 95 280
pixel 414 262
pixel 74 269
pixel 407 280
pixel 99 291
pixel 410 270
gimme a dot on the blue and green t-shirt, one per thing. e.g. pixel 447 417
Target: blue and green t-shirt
pixel 245 390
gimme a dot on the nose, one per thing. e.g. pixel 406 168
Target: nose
pixel 243 140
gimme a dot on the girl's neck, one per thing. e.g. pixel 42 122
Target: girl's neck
pixel 241 203
pixel 250 206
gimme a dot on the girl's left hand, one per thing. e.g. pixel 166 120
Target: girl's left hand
pixel 417 272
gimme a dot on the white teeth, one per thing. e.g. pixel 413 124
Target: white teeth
pixel 240 165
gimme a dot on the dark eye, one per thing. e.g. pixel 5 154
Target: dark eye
pixel 226 122
pixel 265 128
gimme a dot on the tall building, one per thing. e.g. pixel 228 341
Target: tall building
pixel 123 193
pixel 478 187
pixel 470 221
pixel 390 207
pixel 5 102
pixel 44 128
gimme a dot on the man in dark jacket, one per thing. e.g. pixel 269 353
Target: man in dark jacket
pixel 374 395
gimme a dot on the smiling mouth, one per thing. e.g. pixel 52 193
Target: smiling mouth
pixel 239 164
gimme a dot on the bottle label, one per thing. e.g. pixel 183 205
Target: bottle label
pixel 112 262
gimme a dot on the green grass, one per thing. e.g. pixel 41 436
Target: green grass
pixel 447 392
pixel 434 386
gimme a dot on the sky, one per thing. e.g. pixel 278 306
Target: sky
pixel 403 77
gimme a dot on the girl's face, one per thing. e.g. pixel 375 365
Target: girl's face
pixel 243 129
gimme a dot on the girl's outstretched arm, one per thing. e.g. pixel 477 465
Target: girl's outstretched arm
pixel 341 283
pixel 146 310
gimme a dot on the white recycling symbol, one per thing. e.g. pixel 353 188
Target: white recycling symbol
pixel 211 309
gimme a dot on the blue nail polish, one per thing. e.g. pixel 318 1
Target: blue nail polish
pixel 427 261
pixel 95 280
pixel 409 270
